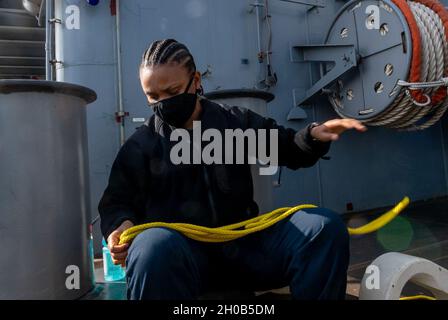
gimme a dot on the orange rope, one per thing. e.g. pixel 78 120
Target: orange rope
pixel 414 72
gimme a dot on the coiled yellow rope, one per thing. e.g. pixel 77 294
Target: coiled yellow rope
pixel 234 231
pixel 231 232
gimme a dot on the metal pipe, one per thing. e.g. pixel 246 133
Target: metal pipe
pixel 257 6
pixel 312 3
pixel 268 24
pixel 41 13
pixel 48 40
pixel 261 76
pixel 119 75
pixel 318 171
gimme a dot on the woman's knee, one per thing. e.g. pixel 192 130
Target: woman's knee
pixel 330 223
pixel 154 247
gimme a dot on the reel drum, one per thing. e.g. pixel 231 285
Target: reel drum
pixel 382 41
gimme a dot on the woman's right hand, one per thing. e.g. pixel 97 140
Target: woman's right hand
pixel 119 252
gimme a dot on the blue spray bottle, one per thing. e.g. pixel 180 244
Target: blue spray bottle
pixel 112 272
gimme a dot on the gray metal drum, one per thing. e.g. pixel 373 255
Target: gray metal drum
pixel 384 54
pixel 255 100
pixel 44 190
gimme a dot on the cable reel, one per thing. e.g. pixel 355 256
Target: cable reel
pixel 389 63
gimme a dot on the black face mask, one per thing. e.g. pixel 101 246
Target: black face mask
pixel 178 109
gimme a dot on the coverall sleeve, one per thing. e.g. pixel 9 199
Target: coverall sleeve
pixel 122 198
pixel 296 149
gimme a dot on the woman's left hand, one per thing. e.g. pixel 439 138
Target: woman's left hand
pixel 331 129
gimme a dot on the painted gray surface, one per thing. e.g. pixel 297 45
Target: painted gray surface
pixel 369 170
pixel 44 191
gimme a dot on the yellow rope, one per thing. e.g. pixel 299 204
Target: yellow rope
pixel 234 231
pixel 243 228
pixel 418 297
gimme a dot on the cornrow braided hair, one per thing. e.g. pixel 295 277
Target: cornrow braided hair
pixel 168 51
